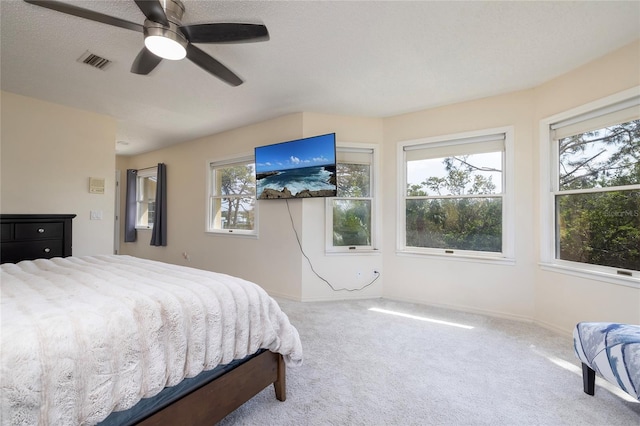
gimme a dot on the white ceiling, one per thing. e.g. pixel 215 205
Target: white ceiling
pixel 364 58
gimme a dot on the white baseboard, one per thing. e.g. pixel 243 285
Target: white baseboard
pixel 554 328
pixel 497 314
pixel 340 298
pixel 460 308
pixel 278 295
pixel 468 309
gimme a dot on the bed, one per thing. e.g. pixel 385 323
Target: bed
pixel 88 338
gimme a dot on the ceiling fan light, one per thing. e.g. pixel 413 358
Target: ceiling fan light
pixel 165 47
pixel 165 42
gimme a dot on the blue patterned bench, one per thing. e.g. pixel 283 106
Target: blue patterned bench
pixel 613 351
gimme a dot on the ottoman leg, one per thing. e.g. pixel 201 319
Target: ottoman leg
pixel 588 379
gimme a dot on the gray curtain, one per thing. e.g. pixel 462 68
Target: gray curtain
pixel 130 208
pixel 159 233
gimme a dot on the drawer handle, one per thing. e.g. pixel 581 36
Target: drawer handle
pixel 47 250
pixel 40 230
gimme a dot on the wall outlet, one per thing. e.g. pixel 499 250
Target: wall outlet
pixel 95 215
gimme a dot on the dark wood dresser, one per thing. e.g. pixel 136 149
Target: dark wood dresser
pixel 34 236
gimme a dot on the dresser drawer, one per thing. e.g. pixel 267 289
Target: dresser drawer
pixel 19 250
pixel 35 236
pixel 38 231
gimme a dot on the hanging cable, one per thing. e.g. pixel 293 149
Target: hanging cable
pixel 311 265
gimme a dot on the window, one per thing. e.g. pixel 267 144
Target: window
pixel 232 196
pixel 595 189
pixel 350 215
pixel 146 197
pixel 454 198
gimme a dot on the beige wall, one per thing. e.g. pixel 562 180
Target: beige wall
pixel 347 270
pixel 524 290
pixel 273 260
pixel 498 289
pixel 49 152
pixel 562 300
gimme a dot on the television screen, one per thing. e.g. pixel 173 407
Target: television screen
pixel 302 168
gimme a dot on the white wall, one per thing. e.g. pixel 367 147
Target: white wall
pixel 498 289
pixel 273 260
pixel 524 290
pixel 49 152
pixel 341 270
pixel 561 300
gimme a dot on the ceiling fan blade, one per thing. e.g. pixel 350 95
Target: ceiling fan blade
pixel 212 66
pixel 145 62
pixel 153 10
pixel 225 33
pixel 87 14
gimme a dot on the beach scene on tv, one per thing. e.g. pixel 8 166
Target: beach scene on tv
pixel 302 168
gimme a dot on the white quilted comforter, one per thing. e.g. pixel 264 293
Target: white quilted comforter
pixel 85 336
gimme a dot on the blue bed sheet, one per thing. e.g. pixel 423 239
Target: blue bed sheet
pixel 167 396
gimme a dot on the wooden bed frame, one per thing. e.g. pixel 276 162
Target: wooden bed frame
pixel 216 399
pixel 206 405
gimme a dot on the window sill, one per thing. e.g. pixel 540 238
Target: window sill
pixel 606 277
pixel 144 228
pixel 356 252
pixel 495 260
pixel 234 234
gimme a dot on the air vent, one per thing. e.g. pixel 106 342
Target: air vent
pixel 94 60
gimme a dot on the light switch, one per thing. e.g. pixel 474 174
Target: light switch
pixel 96 215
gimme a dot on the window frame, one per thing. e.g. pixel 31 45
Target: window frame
pixel 141 175
pixel 548 190
pixel 507 255
pixel 212 165
pixel 374 199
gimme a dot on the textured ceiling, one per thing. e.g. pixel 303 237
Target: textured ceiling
pixel 363 58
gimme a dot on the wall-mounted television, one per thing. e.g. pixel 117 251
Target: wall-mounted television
pixel 301 168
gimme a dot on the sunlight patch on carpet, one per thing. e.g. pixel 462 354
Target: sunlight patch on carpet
pixel 416 317
pixel 577 370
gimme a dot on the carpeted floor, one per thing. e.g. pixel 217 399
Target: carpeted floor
pixel 366 367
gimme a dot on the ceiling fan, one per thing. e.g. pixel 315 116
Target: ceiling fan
pixel 166 38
